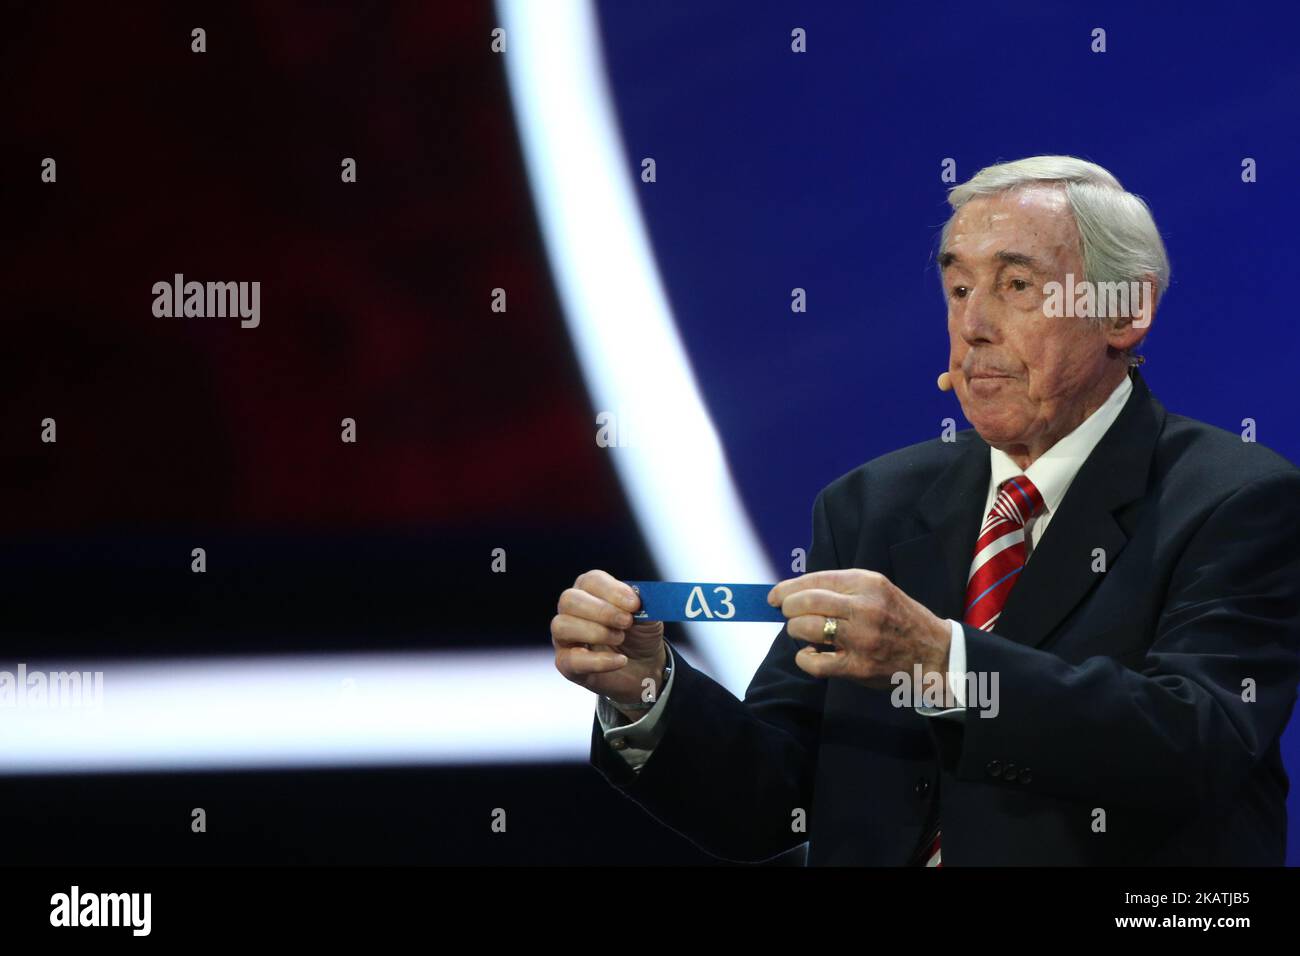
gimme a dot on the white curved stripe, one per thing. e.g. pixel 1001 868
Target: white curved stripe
pixel 994 548
pixel 632 358
pixel 309 711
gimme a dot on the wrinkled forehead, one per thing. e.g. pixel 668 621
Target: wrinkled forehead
pixel 1035 220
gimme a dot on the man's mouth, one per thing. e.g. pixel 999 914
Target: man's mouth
pixel 986 384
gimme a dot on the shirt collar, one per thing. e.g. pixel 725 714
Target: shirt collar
pixel 1056 468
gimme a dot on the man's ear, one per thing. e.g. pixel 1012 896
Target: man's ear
pixel 1125 332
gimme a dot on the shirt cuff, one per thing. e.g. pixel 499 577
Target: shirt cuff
pixel 635 740
pixel 956 677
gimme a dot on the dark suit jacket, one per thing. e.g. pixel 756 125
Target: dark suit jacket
pixel 1120 691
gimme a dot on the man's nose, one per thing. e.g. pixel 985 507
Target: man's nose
pixel 979 317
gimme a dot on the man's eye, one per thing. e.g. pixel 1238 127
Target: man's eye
pixel 959 291
pixel 1019 285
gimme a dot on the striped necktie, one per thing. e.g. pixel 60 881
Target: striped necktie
pixel 994 570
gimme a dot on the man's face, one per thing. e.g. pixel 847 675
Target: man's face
pixel 1024 380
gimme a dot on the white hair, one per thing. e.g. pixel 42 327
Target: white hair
pixel 1117 235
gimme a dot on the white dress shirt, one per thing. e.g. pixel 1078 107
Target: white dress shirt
pixel 1051 474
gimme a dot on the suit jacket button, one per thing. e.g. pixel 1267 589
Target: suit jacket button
pixel 1010 772
pixel 618 743
pixel 922 787
pixel 1024 775
pixel 994 767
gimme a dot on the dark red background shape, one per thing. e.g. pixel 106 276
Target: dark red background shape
pixel 225 166
pixel 474 429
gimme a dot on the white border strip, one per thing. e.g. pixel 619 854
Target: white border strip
pixel 361 710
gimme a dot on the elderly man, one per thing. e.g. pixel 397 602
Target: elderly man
pixel 1101 600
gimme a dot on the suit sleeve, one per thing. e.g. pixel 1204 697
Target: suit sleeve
pixel 726 774
pixel 1212 695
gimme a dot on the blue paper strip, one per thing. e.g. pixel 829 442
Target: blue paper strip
pixel 692 601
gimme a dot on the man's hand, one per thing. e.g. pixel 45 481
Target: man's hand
pixel 881 631
pixel 599 645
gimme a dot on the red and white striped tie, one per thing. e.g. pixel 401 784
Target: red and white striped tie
pixel 999 559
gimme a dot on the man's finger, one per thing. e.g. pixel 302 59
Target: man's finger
pixel 843 580
pixel 819 601
pixel 821 663
pixel 584 604
pixel 605 586
pixel 812 628
pixel 569 631
pixel 578 661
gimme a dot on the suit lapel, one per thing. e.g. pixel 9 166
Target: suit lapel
pixel 932 564
pixel 1060 571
